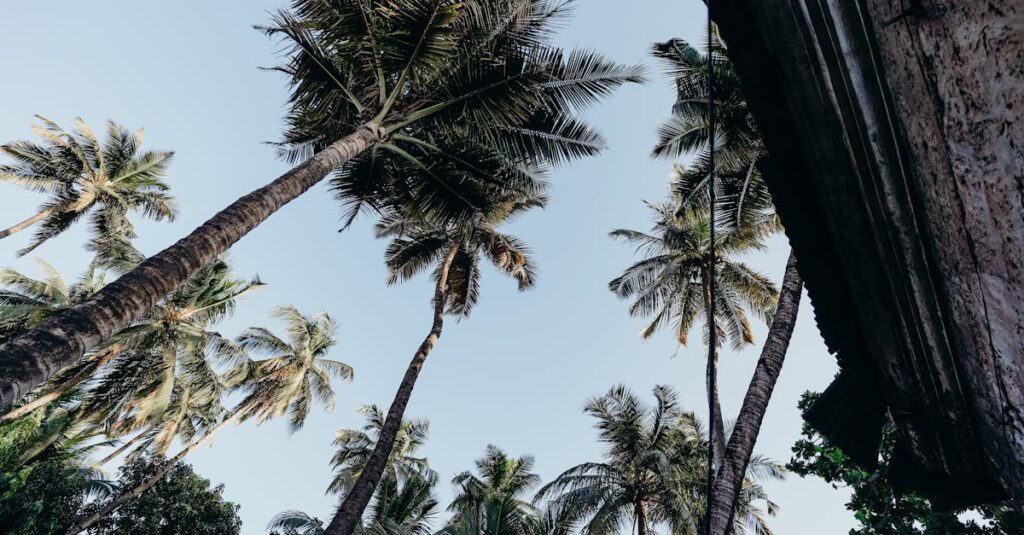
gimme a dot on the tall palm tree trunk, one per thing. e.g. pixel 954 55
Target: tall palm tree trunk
pixel 350 513
pixel 717 431
pixel 716 435
pixel 86 372
pixel 641 518
pixel 151 480
pixel 30 359
pixel 27 223
pixel 124 447
pixel 731 471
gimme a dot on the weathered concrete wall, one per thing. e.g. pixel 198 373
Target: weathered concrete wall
pixel 898 170
pixel 956 75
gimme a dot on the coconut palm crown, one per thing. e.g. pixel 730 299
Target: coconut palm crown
pixel 459 90
pixel 669 284
pixel 355 447
pixel 85 176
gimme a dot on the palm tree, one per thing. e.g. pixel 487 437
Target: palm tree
pixel 383 82
pixel 355 448
pixel 654 471
pixel 176 335
pixel 294 522
pixel 84 176
pixel 455 250
pixel 744 200
pixel 651 467
pixel 194 407
pixel 295 373
pixel 493 502
pixel 403 507
pixel 672 286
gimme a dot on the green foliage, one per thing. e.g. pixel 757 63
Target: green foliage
pixel 354 448
pixel 182 502
pixel 471 94
pixel 670 284
pixel 86 176
pixel 417 245
pixel 882 510
pixel 494 501
pixel 295 523
pixel 295 372
pixel 654 471
pixel 42 498
pixel 43 482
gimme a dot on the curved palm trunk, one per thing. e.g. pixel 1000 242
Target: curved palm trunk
pixel 27 223
pixel 124 447
pixel 30 359
pixel 65 387
pixel 731 471
pixel 151 480
pixel 350 513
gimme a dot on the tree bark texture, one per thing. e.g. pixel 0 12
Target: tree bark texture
pixel 350 514
pixel 731 471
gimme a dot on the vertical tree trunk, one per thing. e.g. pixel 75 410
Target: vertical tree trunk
pixel 716 434
pixel 641 518
pixel 86 372
pixel 27 223
pixel 733 466
pixel 148 483
pixel 30 359
pixel 350 513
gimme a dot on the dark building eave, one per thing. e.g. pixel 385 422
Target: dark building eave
pixel 900 190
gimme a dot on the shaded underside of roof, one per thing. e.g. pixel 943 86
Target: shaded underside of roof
pixel 897 167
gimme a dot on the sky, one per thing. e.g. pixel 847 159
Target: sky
pixel 516 373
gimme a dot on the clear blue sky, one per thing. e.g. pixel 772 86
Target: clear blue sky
pixel 516 373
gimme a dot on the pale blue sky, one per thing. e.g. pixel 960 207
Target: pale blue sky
pixel 516 373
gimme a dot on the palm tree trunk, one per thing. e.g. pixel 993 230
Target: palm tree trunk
pixel 641 518
pixel 716 435
pixel 151 480
pixel 30 359
pixel 350 513
pixel 733 467
pixel 124 447
pixel 27 223
pixel 65 387
pixel 717 432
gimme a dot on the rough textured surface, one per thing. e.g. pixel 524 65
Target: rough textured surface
pixel 899 174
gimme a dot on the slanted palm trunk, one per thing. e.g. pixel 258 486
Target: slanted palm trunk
pixel 350 513
pixel 124 447
pixel 733 466
pixel 148 483
pixel 27 223
pixel 86 372
pixel 32 358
